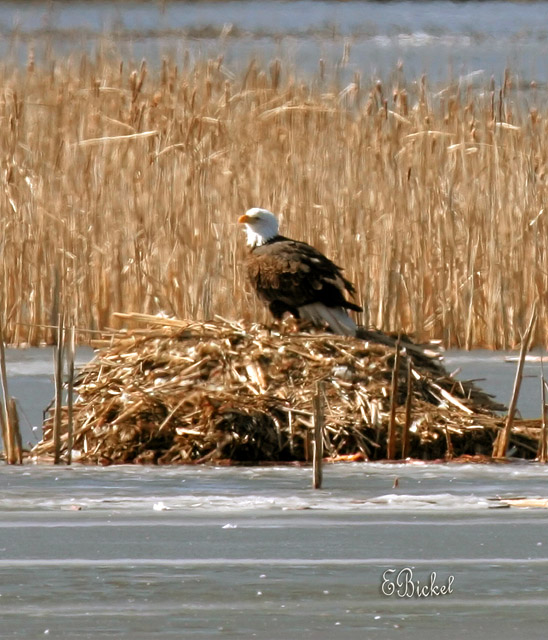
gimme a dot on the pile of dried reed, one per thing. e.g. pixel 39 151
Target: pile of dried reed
pixel 221 391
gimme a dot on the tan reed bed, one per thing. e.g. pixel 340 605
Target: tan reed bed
pixel 192 393
pixel 121 186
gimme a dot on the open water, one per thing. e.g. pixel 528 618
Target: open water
pixel 440 38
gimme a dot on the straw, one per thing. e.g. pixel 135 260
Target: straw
pixel 195 392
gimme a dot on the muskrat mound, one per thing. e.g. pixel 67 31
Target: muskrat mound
pixel 220 391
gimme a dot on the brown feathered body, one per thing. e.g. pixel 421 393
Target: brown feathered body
pixel 293 277
pixel 288 275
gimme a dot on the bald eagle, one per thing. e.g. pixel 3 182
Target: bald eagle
pixel 291 276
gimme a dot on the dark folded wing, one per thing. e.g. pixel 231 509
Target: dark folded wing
pixel 297 274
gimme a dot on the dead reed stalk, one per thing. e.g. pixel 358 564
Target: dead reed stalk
pixel 408 409
pixel 391 445
pixel 319 421
pixel 16 432
pixel 58 356
pixel 542 453
pixel 8 434
pixel 450 451
pixel 500 447
pixel 130 180
pixel 70 353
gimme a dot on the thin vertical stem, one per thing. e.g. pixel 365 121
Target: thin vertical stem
pixel 58 390
pixel 391 448
pixel 7 433
pixel 408 407
pixel 500 447
pixel 16 433
pixel 542 441
pixel 450 454
pixel 70 390
pixel 319 419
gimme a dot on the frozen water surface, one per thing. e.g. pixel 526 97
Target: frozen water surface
pixel 202 552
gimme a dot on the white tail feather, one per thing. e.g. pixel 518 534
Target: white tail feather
pixel 336 318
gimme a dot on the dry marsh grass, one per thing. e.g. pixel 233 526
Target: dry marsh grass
pixel 120 188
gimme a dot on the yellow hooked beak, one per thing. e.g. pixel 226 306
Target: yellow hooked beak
pixel 244 218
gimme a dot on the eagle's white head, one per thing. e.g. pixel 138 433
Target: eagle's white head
pixel 260 225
